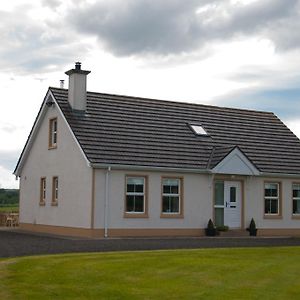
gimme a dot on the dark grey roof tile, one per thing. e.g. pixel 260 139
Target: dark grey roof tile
pixel 147 132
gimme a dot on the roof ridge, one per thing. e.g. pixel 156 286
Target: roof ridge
pixel 174 102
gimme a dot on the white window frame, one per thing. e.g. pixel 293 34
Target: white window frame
pixel 171 195
pixel 55 190
pixel 136 194
pixel 295 198
pixel 53 133
pixel 277 198
pixel 198 129
pixel 43 186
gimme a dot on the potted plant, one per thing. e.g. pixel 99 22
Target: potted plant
pixel 252 228
pixel 223 228
pixel 211 229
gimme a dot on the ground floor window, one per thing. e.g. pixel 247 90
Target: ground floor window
pixel 43 191
pixel 296 198
pixel 271 197
pixel 55 190
pixel 171 196
pixel 135 194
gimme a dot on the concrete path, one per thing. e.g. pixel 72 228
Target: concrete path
pixel 15 243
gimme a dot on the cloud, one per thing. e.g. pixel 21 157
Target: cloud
pixel 9 159
pixel 53 4
pixel 283 102
pixel 173 26
pixel 8 128
pixel 7 180
pixel 29 45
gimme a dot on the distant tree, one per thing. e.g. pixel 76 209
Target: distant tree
pixel 9 196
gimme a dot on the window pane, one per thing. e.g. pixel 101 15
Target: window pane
pixel 135 181
pixel 171 204
pixel 166 206
pixel 166 189
pixel 174 204
pixel 198 129
pixel 274 206
pixel 271 190
pixel 271 206
pixel 135 185
pixel 130 188
pixel 296 190
pixel 219 216
pixel 219 193
pixel 139 188
pixel 170 186
pixel 296 207
pixel 233 194
pixel 139 203
pixel 130 203
pixel 267 206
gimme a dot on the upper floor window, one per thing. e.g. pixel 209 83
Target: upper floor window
pixel 53 133
pixel 135 201
pixel 198 129
pixel 171 196
pixel 272 198
pixel 296 198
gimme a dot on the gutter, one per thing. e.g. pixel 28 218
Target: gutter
pixel 106 202
pixel 286 175
pixel 143 168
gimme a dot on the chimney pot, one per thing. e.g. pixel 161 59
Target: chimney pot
pixel 78 65
pixel 62 83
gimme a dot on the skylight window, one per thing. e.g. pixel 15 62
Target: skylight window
pixel 198 129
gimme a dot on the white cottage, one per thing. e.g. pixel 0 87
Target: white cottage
pixel 101 165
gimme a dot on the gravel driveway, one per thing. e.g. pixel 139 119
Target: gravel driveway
pixel 15 243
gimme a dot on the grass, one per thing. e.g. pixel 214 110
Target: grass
pixel 9 208
pixel 245 273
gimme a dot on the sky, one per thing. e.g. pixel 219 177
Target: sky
pixel 233 53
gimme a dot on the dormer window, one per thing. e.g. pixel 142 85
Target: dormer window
pixel 198 129
pixel 52 133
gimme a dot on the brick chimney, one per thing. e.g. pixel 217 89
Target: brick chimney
pixel 77 87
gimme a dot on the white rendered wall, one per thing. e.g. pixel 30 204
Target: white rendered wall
pixel 197 193
pixel 75 179
pixel 198 202
pixel 254 204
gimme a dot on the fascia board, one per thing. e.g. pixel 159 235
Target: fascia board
pixel 34 130
pixel 32 134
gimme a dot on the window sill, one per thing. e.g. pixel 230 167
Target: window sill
pixel 135 215
pixel 42 203
pixel 296 216
pixel 52 147
pixel 54 203
pixel 171 216
pixel 273 217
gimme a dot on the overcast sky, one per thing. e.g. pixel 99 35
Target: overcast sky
pixel 236 53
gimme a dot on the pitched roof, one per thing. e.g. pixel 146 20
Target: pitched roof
pixel 145 132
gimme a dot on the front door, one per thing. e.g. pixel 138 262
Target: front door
pixel 228 203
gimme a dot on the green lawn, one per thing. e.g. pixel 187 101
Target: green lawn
pixel 245 273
